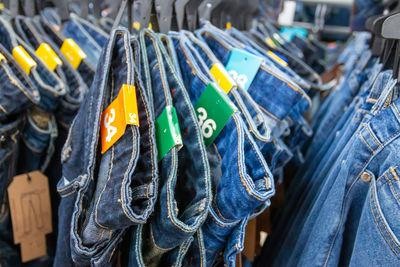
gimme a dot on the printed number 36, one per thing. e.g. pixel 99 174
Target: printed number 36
pixel 208 126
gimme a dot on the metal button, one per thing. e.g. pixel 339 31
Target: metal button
pixel 366 177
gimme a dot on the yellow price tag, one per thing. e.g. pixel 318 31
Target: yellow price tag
pixel 270 42
pixel 72 52
pixel 222 77
pixel 122 111
pixel 277 59
pixel 136 25
pixel 49 57
pixel 23 59
pixel 228 25
pixel 2 57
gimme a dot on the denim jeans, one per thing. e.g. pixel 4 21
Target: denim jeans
pixel 343 192
pixel 49 85
pixel 244 183
pixel 121 193
pixel 18 92
pixel 56 39
pixel 275 95
pixel 302 197
pixel 90 38
pixel 185 190
pixel 262 52
pixel 9 140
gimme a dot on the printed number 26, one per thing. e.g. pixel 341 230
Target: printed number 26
pixel 208 126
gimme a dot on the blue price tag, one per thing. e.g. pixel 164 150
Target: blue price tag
pixel 289 32
pixel 243 66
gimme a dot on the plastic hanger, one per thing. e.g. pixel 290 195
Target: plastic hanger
pixel 180 8
pixel 164 9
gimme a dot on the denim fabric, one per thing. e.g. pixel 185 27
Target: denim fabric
pixel 9 139
pixel 89 38
pixel 302 197
pixel 76 89
pixel 275 95
pixel 185 190
pixel 343 195
pixel 50 87
pixel 18 92
pixel 103 184
pixel 56 39
pixel 262 52
pixel 245 183
pixel 343 97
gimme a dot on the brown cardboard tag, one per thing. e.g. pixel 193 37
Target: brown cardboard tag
pixel 29 199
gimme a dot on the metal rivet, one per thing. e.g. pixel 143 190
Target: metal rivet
pixel 366 177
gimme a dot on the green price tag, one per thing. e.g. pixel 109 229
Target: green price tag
pixel 168 133
pixel 213 109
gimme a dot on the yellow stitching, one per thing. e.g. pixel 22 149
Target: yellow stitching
pixel 372 100
pixel 198 241
pixel 240 174
pixel 395 107
pixel 126 174
pixel 290 85
pixel 366 142
pixel 154 241
pixel 216 149
pixel 104 188
pixel 3 109
pixel 270 114
pixel 373 136
pixel 394 173
pixel 394 190
pixel 68 194
pixel 219 213
pixel 384 225
pixel 155 66
pixel 169 208
pixel 377 224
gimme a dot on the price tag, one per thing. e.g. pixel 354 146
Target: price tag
pixel 168 133
pixel 72 52
pixel 30 208
pixel 23 58
pixel 213 109
pixel 122 111
pixel 2 57
pixel 136 25
pixel 49 57
pixel 276 58
pixel 228 25
pixel 270 42
pixel 243 66
pixel 222 77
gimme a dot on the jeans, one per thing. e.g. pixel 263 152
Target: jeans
pixel 275 95
pixel 243 184
pixel 89 38
pixel 56 39
pixel 49 85
pixel 9 141
pixel 122 193
pixel 18 92
pixel 185 190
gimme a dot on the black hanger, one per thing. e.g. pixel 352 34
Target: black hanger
pixel 192 15
pixel 164 10
pixel 181 18
pixel 390 31
pixel 206 8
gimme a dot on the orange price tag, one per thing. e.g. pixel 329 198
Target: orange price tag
pixel 122 111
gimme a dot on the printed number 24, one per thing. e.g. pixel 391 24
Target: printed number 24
pixel 208 126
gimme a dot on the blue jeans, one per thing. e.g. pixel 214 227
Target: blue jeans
pixel 50 87
pixel 185 189
pixel 243 183
pixel 122 193
pixel 275 95
pixel 90 38
pixel 18 92
pixel 55 39
pixel 9 141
